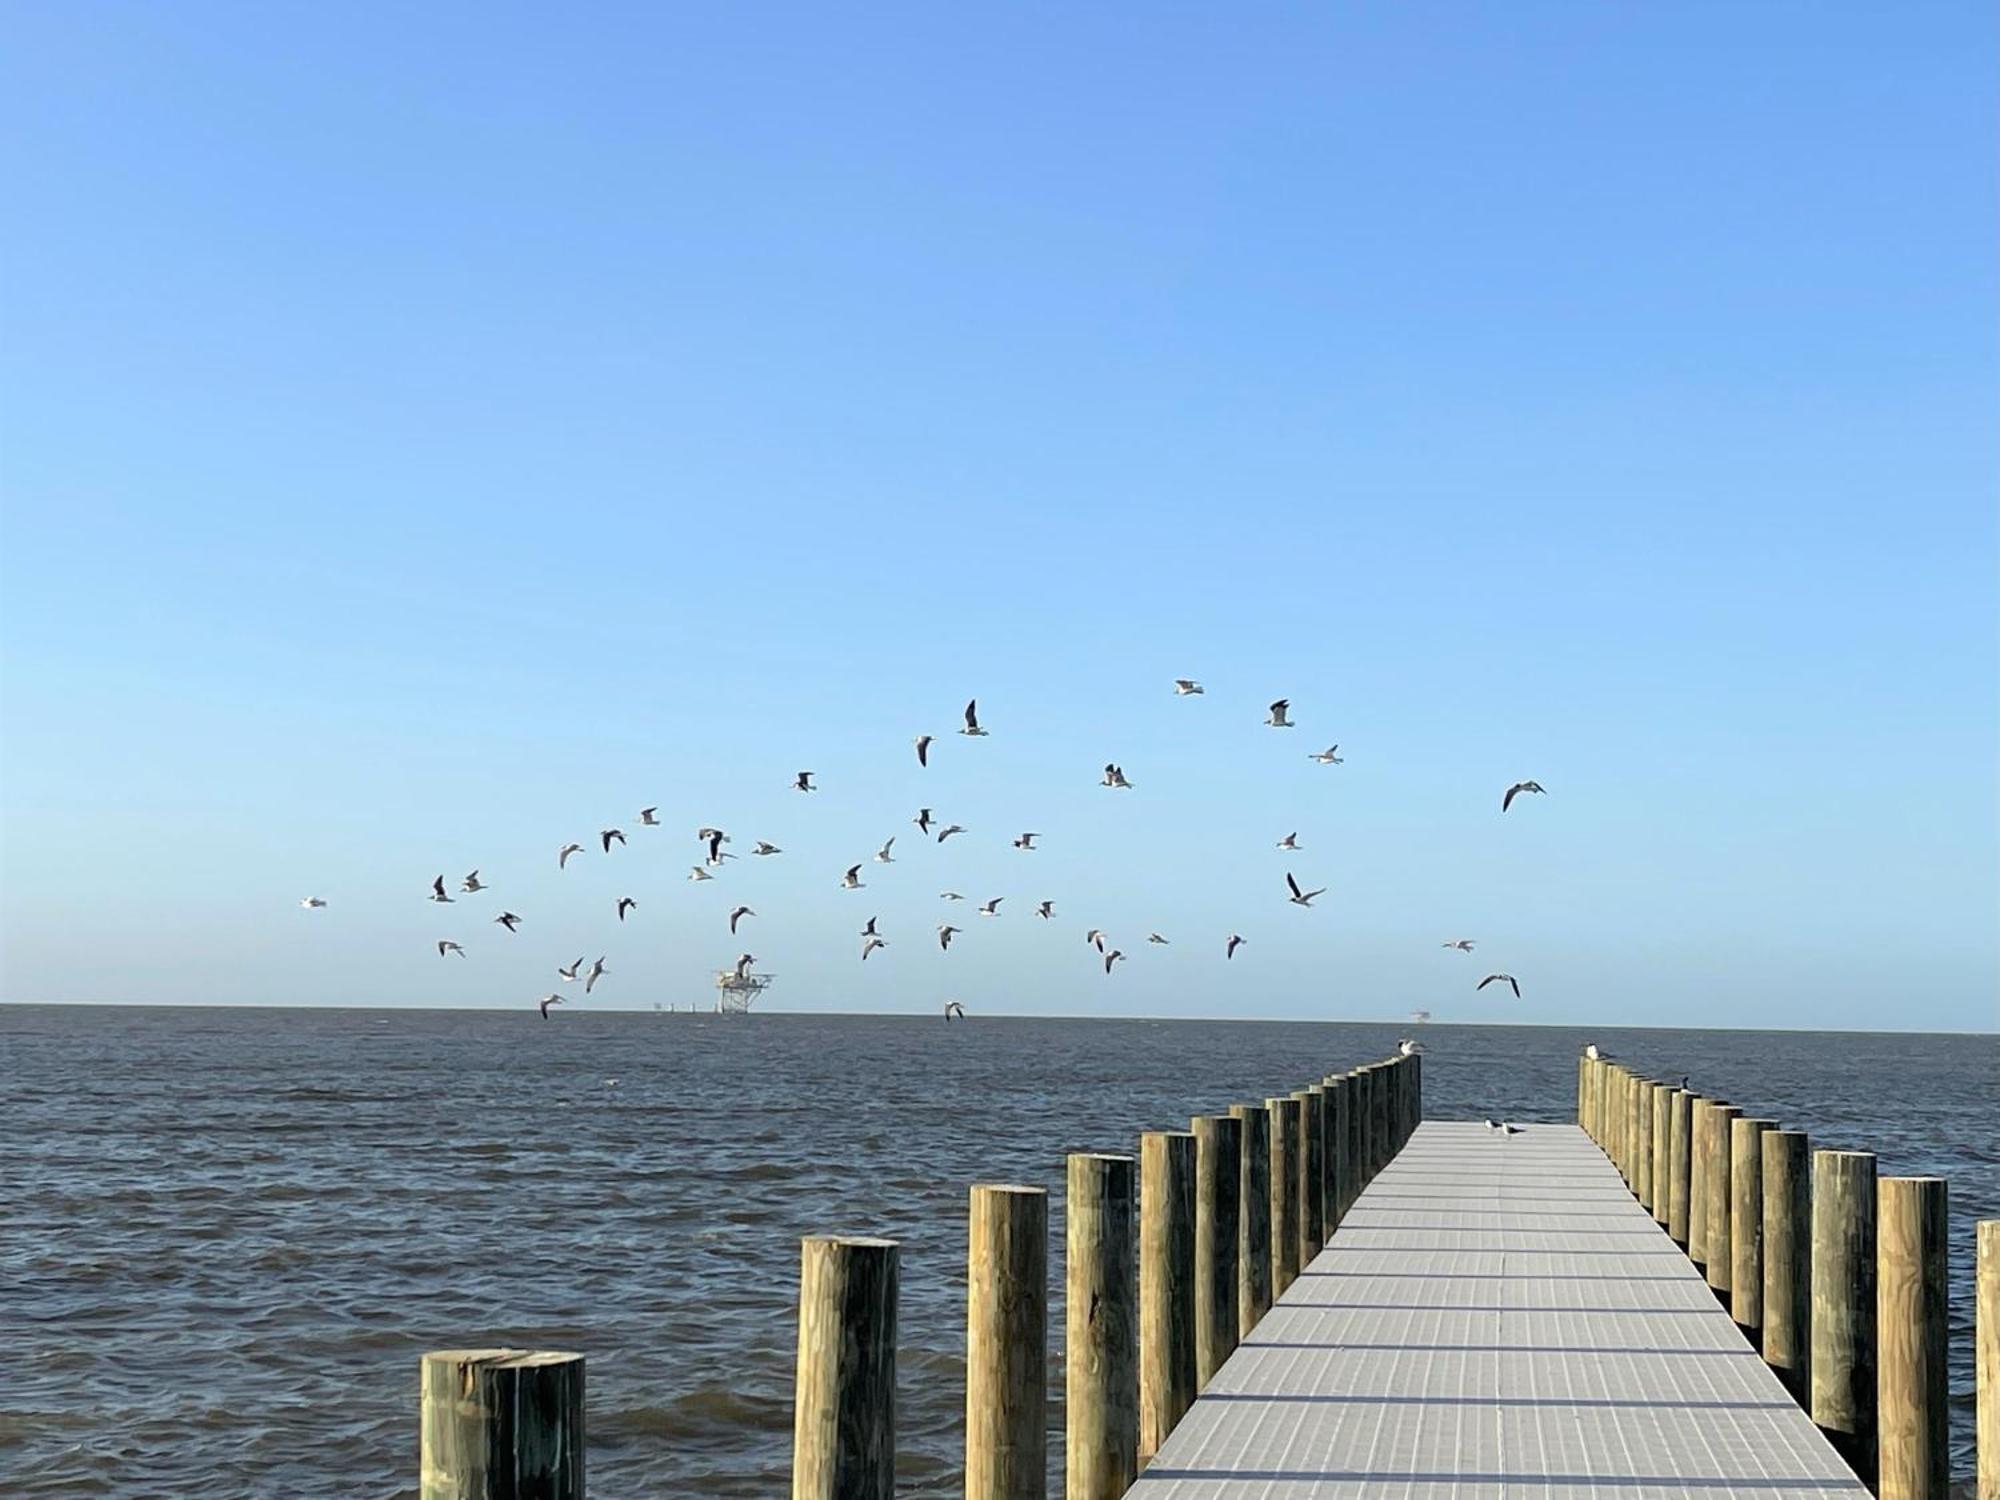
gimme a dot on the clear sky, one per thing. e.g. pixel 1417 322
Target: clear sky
pixel 433 433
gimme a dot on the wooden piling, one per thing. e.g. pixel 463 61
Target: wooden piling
pixel 844 1400
pixel 1913 1390
pixel 1986 1358
pixel 1746 1223
pixel 1284 1193
pixel 1679 1166
pixel 1218 1189
pixel 1642 1143
pixel 1663 1145
pixel 1336 1152
pixel 1385 1141
pixel 500 1423
pixel 1253 1240
pixel 1363 1148
pixel 1620 1077
pixel 1101 1323
pixel 1583 1091
pixel 1720 1263
pixel 1312 1219
pixel 1843 1305
pixel 1006 1344
pixel 1697 1244
pixel 1166 1285
pixel 1787 1300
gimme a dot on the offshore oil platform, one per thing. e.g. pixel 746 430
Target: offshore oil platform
pixel 735 990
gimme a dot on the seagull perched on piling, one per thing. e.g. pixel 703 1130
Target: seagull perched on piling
pixel 1278 711
pixel 1408 1046
pixel 1507 797
pixel 1507 979
pixel 447 946
pixel 1299 897
pixel 972 720
pixel 1186 687
pixel 1597 1054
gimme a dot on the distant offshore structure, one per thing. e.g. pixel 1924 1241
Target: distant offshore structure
pixel 736 989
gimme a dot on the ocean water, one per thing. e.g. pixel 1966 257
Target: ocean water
pixel 227 1235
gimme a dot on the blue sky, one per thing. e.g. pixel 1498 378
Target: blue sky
pixel 429 436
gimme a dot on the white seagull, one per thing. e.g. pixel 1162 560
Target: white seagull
pixel 1115 776
pixel 1154 937
pixel 948 830
pixel 1595 1053
pixel 743 962
pixel 950 896
pixel 1095 937
pixel 1278 719
pixel 953 1011
pixel 1330 756
pixel 437 892
pixel 1045 909
pixel 1463 945
pixel 472 884
pixel 1409 1047
pixel 870 945
pixel 883 856
pixel 851 881
pixel 972 720
pixel 1507 979
pixel 764 847
pixel 1026 841
pixel 646 818
pixel 868 930
pixel 570 973
pixel 597 972
pixel 991 908
pixel 313 903
pixel 1299 897
pixel 946 932
pixel 1186 687
pixel 738 915
pixel 563 854
pixel 1289 841
pixel 698 873
pixel 546 1001
pixel 1111 958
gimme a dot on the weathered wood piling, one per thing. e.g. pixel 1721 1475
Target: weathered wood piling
pixel 1284 1193
pixel 1310 1167
pixel 1101 1327
pixel 500 1423
pixel 1166 1284
pixel 1787 1300
pixel 1006 1343
pixel 844 1408
pixel 1218 1179
pixel 1843 1305
pixel 1746 1223
pixel 1986 1355
pixel 1913 1392
pixel 1253 1240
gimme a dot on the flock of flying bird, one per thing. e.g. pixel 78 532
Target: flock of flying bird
pixel 715 856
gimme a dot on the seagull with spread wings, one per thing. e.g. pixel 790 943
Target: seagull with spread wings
pixel 1507 979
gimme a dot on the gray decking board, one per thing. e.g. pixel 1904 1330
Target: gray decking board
pixel 1497 1316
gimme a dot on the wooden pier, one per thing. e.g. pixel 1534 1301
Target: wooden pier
pixel 1669 1298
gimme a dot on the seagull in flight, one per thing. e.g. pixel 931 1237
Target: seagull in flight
pixel 1111 958
pixel 548 1000
pixel 870 945
pixel 698 873
pixel 869 930
pixel 1507 797
pixel 1289 841
pixel 1235 942
pixel 1154 937
pixel 625 904
pixel 472 884
pixel 313 903
pixel 923 743
pixel 1026 841
pixel 1463 945
pixel 508 920
pixel 923 821
pixel 1507 979
pixel 743 962
pixel 991 908
pixel 597 972
pixel 715 838
pixel 608 834
pixel 569 974
pixel 953 1011
pixel 448 946
pixel 950 896
pixel 948 830
pixel 1045 909
pixel 1299 897
pixel 1115 776
pixel 1278 719
pixel 765 847
pixel 803 782
pixel 883 856
pixel 737 916
pixel 1186 687
pixel 851 881
pixel 946 932
pixel 1095 938
pixel 437 892
pixel 972 720
pixel 646 818
pixel 563 854
pixel 1330 756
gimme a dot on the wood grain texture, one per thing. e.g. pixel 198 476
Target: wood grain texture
pixel 1720 1264
pixel 1663 1146
pixel 1680 1166
pixel 1218 1194
pixel 844 1398
pixel 1913 1391
pixel 1746 1223
pixel 1101 1326
pixel 1986 1358
pixel 501 1424
pixel 1284 1193
pixel 1312 1219
pixel 1253 1241
pixel 1166 1285
pixel 1787 1300
pixel 1843 1305
pixel 1006 1343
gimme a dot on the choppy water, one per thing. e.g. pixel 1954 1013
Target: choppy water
pixel 227 1235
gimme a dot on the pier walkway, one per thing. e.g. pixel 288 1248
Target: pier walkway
pixel 1496 1316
